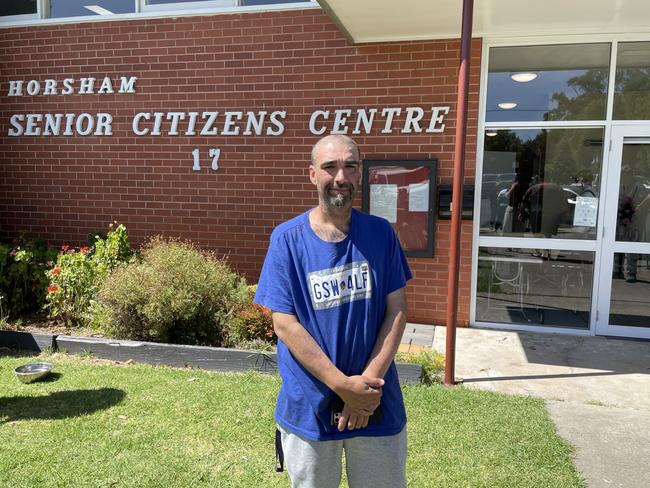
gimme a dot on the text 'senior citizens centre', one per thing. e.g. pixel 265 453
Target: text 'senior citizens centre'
pixel 196 119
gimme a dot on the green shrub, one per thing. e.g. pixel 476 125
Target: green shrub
pixel 23 279
pixel 433 364
pixel 79 273
pixel 174 293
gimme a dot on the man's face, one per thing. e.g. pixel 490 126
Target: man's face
pixel 336 173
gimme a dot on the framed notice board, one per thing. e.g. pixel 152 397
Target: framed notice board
pixel 404 193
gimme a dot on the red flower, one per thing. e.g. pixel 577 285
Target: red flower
pixel 55 271
pixel 83 250
pixel 52 289
pixel 65 248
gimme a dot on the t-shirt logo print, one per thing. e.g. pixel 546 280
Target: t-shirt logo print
pixel 332 287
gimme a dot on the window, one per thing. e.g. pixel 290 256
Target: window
pixel 186 4
pixel 248 3
pixel 19 9
pixel 541 182
pixel 534 286
pixel 632 91
pixel 15 12
pixel 149 5
pixel 547 83
pixel 57 9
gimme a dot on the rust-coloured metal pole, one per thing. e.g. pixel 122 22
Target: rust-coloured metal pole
pixel 457 194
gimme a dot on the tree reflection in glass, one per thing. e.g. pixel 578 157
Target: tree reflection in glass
pixel 541 182
pixel 632 91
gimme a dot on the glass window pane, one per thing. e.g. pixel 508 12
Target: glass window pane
pixel 17 7
pixel 270 2
pixel 222 3
pixel 83 8
pixel 632 91
pixel 541 183
pixel 633 218
pixel 629 305
pixel 535 83
pixel 534 287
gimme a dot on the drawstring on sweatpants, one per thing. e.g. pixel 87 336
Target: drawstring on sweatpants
pixel 279 453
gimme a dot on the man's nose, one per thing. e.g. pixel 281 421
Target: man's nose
pixel 340 176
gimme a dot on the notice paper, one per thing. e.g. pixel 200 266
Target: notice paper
pixel 383 201
pixel 419 197
pixel 586 212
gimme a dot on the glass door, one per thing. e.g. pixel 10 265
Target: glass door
pixel 624 288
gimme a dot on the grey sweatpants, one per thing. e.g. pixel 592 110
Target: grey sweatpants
pixel 371 462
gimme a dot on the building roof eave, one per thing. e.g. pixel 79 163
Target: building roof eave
pixel 364 21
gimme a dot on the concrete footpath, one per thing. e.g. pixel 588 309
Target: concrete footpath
pixel 597 390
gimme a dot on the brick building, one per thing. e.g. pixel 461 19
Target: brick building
pixel 196 119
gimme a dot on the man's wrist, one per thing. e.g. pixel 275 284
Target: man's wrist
pixel 339 384
pixel 373 372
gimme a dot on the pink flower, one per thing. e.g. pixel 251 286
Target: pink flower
pixel 52 289
pixel 83 250
pixel 65 248
pixel 55 271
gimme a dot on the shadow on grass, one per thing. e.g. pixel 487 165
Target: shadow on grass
pixel 50 378
pixel 59 404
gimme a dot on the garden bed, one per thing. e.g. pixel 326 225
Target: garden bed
pixel 202 357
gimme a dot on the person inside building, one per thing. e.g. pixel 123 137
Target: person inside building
pixel 632 221
pixel 514 196
pixel 543 207
pixel 334 278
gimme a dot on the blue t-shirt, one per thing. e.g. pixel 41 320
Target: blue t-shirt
pixel 338 291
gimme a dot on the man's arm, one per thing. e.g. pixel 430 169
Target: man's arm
pixel 361 393
pixel 390 335
pixel 383 353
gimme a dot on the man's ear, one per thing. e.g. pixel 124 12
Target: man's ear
pixel 312 174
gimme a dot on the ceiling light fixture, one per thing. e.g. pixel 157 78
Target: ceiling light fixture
pixel 491 133
pixel 98 10
pixel 507 105
pixel 523 77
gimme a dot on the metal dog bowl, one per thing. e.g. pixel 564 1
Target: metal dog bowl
pixel 32 372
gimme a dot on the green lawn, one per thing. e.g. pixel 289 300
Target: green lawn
pixel 98 424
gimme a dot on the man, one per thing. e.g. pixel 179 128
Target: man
pixel 334 279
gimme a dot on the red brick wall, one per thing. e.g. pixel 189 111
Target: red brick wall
pixel 64 187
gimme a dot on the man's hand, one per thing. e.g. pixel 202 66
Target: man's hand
pixel 361 394
pixel 352 420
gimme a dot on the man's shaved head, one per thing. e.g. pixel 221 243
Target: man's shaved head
pixel 334 139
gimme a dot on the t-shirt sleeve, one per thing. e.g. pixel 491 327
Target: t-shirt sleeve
pixel 273 288
pixel 399 271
